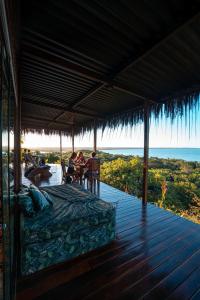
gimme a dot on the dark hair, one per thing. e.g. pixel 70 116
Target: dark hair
pixel 73 155
pixel 43 161
pixel 93 154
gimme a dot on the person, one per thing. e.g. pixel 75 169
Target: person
pixel 42 163
pixel 72 162
pixel 42 169
pixel 93 166
pixel 80 165
pixel 80 160
pixel 63 168
pixel 29 158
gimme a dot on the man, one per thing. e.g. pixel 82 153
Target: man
pixel 93 166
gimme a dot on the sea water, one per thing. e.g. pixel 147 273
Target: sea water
pixel 188 154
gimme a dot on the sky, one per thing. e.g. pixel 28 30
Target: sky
pixel 162 134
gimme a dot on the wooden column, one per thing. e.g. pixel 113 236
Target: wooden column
pixel 17 147
pixel 95 137
pixel 60 145
pixel 146 153
pixel 73 139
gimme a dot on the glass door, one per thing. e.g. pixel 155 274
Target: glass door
pixel 6 179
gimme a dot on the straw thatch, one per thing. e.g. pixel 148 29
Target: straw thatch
pixel 172 108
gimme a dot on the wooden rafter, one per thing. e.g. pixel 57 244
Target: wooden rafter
pixel 36 102
pixel 56 118
pixel 47 120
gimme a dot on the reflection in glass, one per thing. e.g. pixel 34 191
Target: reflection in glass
pixel 6 176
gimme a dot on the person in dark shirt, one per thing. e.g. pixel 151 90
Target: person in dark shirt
pixel 42 163
pixel 72 162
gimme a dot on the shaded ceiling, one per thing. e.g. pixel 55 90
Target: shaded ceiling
pixel 91 60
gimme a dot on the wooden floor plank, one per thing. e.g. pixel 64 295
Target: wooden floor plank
pixel 196 296
pixel 91 283
pixel 190 287
pixel 132 227
pixel 184 280
pixel 176 258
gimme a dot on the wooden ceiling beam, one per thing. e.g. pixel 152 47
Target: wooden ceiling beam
pixel 57 117
pixel 43 104
pixel 38 96
pixel 46 120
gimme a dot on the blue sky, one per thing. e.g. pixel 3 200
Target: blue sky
pixel 162 134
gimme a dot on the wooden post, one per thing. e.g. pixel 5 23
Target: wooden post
pixel 95 137
pixel 60 145
pixel 73 139
pixel 17 147
pixel 146 153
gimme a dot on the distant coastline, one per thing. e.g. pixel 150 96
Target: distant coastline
pixel 57 149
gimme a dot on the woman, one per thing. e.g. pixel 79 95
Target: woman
pixel 71 164
pixel 80 160
pixel 80 164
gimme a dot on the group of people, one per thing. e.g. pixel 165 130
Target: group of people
pixel 35 166
pixel 79 166
pixel 29 159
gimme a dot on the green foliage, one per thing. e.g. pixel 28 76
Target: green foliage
pixel 53 158
pixel 182 195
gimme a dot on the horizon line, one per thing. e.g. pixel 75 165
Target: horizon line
pixel 106 148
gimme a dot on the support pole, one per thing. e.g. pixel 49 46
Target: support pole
pixel 95 137
pixel 146 153
pixel 17 147
pixel 73 139
pixel 60 145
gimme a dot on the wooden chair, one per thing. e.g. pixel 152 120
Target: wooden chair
pixel 66 175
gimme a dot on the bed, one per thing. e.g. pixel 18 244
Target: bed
pixel 76 223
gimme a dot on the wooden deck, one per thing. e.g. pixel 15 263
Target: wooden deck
pixel 156 256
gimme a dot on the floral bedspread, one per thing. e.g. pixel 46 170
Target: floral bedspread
pixel 77 222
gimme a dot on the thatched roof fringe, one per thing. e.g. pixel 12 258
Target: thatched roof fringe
pixel 174 107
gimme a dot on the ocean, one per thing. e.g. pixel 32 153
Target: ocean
pixel 188 154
